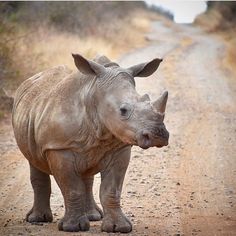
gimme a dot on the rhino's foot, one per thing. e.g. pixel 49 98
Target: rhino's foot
pixel 120 223
pixel 95 214
pixel 39 216
pixel 74 224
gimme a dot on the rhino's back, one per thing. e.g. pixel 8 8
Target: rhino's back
pixel 33 100
pixel 40 83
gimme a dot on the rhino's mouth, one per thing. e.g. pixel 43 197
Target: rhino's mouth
pixel 145 140
pixel 144 143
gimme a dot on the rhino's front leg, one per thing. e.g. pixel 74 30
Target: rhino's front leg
pixel 110 191
pixel 93 212
pixel 64 169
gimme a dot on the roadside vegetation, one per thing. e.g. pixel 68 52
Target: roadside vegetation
pixel 220 18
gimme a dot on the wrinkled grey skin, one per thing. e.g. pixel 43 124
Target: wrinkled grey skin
pixel 74 125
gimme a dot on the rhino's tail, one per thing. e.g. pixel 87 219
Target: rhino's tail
pixel 6 100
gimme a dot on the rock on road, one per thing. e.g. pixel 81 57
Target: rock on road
pixel 187 188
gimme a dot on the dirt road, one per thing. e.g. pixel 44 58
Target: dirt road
pixel 187 188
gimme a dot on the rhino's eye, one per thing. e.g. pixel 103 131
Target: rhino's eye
pixel 125 110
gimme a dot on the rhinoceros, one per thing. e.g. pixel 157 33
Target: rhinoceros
pixel 73 125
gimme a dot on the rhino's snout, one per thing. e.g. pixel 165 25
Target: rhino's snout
pixel 146 139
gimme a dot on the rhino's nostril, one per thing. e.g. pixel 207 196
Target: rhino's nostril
pixel 146 135
pixel 144 139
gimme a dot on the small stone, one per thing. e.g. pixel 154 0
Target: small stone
pixel 37 223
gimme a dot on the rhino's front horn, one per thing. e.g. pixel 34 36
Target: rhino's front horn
pixel 160 104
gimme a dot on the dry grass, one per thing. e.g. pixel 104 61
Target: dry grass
pixel 53 47
pixel 230 59
pixel 210 21
pixel 220 19
pixel 40 41
pixel 48 46
pixel 232 53
pixel 186 41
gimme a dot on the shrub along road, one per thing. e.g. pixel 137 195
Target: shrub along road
pixel 187 188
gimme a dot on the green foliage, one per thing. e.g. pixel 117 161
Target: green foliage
pixel 2 114
pixel 5 53
pixel 162 11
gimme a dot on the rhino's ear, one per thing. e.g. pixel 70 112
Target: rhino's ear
pixel 145 69
pixel 88 67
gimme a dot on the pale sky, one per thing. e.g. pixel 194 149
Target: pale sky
pixel 183 11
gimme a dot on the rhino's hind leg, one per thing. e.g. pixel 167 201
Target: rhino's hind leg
pixel 111 186
pixel 93 212
pixel 63 168
pixel 41 184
